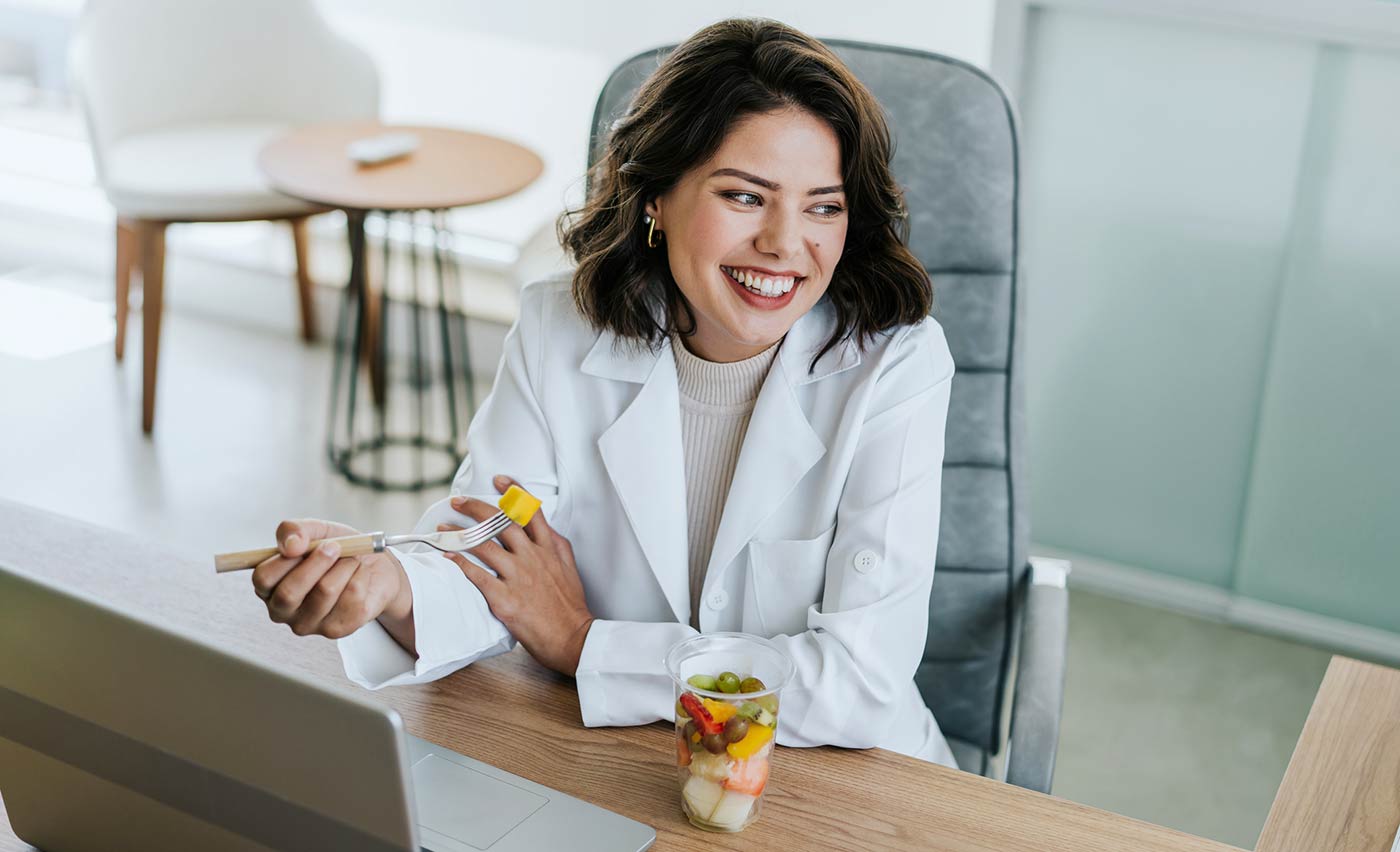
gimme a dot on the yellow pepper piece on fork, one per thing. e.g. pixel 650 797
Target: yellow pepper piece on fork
pixel 519 505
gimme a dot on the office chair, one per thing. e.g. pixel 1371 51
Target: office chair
pixel 998 618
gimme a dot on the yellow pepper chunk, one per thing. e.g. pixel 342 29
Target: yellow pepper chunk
pixel 519 505
pixel 720 710
pixel 757 737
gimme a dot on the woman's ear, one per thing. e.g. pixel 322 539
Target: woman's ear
pixel 653 209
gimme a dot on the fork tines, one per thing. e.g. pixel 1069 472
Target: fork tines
pixel 487 530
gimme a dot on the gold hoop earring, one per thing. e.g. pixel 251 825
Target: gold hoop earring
pixel 652 233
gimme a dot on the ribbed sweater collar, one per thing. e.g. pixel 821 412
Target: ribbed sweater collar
pixel 712 383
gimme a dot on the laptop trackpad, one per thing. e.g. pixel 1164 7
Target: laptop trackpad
pixel 461 804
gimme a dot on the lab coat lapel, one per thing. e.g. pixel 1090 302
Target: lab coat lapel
pixel 780 445
pixel 644 459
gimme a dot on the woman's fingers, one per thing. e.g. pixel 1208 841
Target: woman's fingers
pixel 479 576
pixel 294 537
pixel 323 596
pixel 292 589
pixel 269 572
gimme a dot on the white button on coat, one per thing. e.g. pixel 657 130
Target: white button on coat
pixel 867 561
pixel 719 599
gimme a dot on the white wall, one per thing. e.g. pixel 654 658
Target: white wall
pixel 532 71
pixel 615 30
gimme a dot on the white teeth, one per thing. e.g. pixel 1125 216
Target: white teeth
pixel 765 286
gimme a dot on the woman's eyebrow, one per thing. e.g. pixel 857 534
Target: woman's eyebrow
pixel 768 184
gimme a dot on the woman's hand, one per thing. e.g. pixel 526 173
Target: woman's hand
pixel 322 593
pixel 536 591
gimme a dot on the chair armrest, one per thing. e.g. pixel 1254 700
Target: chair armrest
pixel 1040 676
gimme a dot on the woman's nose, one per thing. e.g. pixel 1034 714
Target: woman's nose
pixel 781 235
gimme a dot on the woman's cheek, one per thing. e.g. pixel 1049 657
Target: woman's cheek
pixel 716 233
pixel 832 246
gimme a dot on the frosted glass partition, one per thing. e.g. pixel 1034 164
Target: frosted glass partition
pixel 1160 165
pixel 1322 531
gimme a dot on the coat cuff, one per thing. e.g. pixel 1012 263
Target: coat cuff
pixel 452 628
pixel 622 678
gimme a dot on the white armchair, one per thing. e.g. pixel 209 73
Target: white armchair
pixel 179 95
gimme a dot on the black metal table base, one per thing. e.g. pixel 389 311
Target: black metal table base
pixel 364 427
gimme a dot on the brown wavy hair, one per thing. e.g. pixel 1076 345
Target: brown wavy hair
pixel 678 120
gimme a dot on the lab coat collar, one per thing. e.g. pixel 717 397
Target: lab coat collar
pixel 644 457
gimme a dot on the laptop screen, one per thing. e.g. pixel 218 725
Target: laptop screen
pixel 97 705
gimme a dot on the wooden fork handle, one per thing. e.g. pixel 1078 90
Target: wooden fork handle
pixel 350 545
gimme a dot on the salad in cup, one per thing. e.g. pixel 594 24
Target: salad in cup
pixel 727 687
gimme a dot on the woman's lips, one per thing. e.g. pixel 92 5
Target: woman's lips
pixel 758 300
pixel 765 282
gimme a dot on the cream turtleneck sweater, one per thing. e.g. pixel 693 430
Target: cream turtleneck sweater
pixel 716 403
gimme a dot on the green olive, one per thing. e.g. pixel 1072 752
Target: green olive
pixel 714 743
pixel 728 682
pixel 680 711
pixel 750 710
pixel 690 729
pixel 735 729
pixel 752 684
pixel 701 681
pixel 768 702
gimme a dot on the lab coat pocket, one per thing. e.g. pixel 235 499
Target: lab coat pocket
pixel 786 577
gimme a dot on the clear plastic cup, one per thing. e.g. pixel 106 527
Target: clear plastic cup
pixel 724 739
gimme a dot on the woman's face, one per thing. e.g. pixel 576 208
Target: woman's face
pixel 768 210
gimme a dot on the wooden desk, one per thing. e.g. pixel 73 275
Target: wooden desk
pixel 513 713
pixel 1342 787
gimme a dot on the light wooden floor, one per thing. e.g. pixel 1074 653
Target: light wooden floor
pixel 1167 718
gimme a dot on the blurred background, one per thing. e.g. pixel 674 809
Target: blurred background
pixel 1211 252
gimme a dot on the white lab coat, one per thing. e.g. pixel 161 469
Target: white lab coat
pixel 826 544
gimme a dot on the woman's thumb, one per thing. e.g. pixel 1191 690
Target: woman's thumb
pixel 294 537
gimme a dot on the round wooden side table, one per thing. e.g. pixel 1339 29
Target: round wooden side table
pixel 450 168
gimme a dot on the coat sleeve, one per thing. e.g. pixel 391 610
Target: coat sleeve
pixel 865 638
pixel 453 625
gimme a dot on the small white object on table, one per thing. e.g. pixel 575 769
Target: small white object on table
pixel 382 148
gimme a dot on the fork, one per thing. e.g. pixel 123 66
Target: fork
pixel 517 505
pixel 450 541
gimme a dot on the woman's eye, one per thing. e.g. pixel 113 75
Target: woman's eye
pixel 828 210
pixel 748 199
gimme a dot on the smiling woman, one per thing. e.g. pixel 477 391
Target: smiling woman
pixel 732 233
pixel 732 411
pixel 762 164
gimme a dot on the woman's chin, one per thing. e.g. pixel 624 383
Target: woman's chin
pixel 755 340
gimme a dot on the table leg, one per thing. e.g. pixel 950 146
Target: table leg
pixel 453 280
pixel 449 377
pixel 369 330
pixel 373 314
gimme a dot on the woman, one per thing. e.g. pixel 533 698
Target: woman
pixel 733 413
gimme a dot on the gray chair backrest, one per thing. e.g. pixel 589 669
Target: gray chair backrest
pixel 956 157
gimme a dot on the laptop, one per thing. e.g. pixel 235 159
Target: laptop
pixel 119 734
